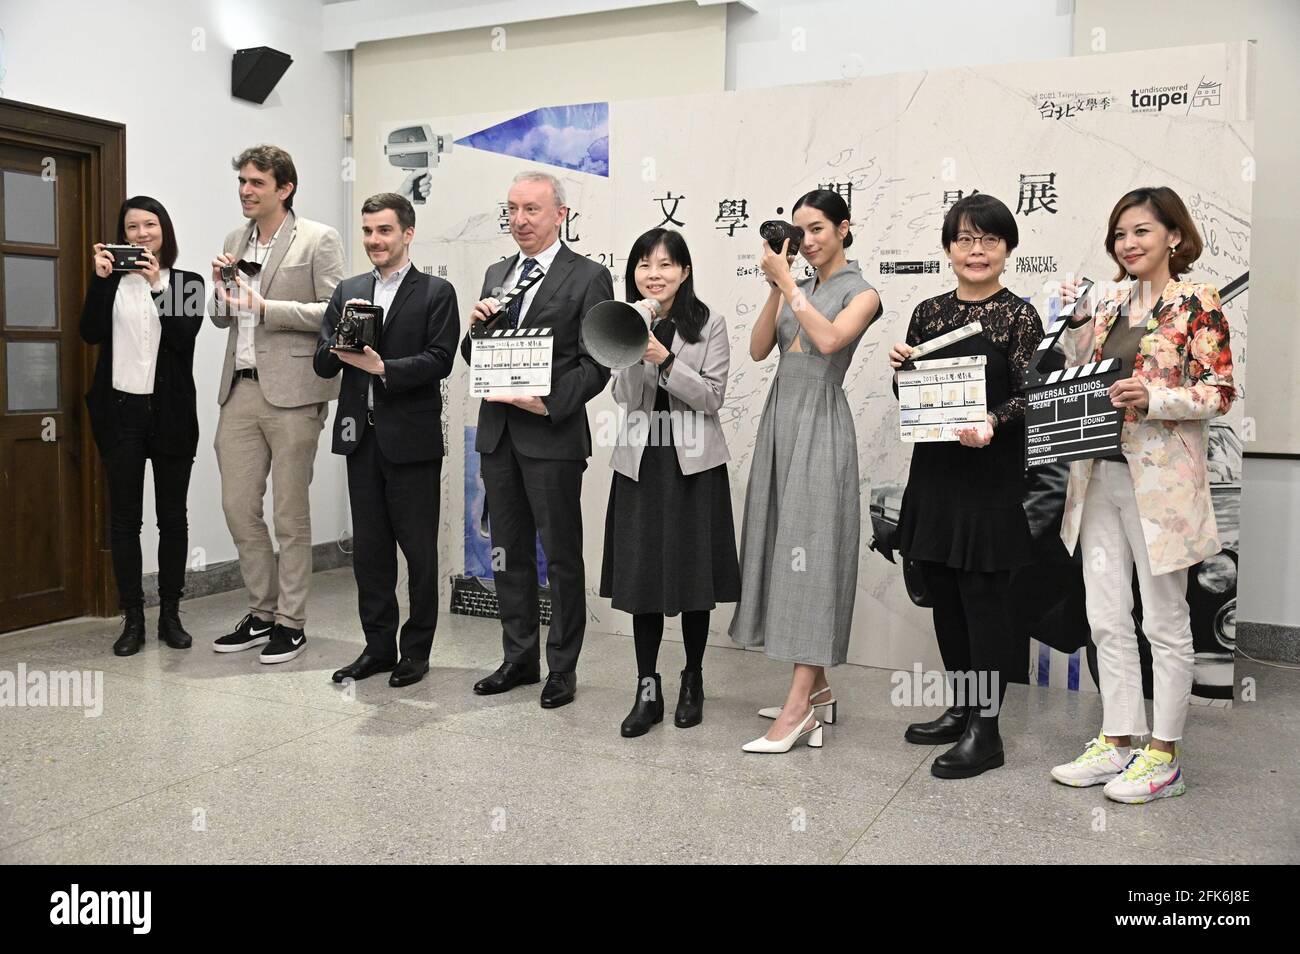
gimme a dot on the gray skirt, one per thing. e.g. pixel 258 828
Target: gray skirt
pixel 799 540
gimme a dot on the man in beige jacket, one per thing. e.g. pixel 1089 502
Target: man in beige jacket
pixel 273 405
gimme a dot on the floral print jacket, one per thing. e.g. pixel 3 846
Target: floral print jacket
pixel 1186 363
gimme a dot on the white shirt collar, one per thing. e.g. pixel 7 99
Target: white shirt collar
pixel 544 258
pixel 397 276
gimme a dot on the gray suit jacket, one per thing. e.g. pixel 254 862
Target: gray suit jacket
pixel 298 279
pixel 696 386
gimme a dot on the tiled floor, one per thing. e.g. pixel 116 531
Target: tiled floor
pixel 199 757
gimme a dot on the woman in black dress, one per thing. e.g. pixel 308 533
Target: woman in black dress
pixel 670 543
pixel 963 520
pixel 142 407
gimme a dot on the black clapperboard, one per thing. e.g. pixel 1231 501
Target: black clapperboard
pixel 1068 415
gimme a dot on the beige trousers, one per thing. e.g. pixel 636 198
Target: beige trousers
pixel 255 439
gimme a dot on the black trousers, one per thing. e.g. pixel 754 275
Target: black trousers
pixel 528 496
pixel 973 624
pixel 394 505
pixel 171 485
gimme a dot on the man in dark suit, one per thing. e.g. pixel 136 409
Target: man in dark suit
pixel 532 451
pixel 389 426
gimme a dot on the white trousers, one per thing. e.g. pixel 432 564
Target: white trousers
pixel 1111 537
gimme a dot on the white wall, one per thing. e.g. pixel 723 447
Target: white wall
pixel 1270 502
pixel 781 43
pixel 182 128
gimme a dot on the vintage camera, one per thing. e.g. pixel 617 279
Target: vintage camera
pixel 775 232
pixel 127 258
pixel 229 273
pixel 358 327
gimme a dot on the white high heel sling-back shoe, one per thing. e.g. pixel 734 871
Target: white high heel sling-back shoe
pixel 828 703
pixel 809 727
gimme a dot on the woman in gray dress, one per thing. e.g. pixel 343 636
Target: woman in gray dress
pixel 799 541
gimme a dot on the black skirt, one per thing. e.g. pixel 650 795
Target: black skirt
pixel 670 543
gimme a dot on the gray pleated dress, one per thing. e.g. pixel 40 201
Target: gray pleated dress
pixel 799 540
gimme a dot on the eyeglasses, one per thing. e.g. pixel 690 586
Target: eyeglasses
pixel 967 242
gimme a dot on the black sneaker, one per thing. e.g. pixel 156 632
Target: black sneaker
pixel 250 632
pixel 285 644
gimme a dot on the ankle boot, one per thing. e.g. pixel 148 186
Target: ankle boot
pixel 647 709
pixel 945 729
pixel 978 750
pixel 132 638
pixel 690 700
pixel 170 630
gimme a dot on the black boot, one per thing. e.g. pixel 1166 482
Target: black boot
pixel 132 638
pixel 647 710
pixel 978 750
pixel 690 700
pixel 170 630
pixel 943 730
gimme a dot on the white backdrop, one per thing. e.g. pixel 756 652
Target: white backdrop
pixel 1077 129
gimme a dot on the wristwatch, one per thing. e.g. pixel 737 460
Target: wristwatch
pixel 667 362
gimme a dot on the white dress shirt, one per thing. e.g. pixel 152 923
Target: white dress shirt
pixel 137 332
pixel 544 259
pixel 385 291
pixel 245 344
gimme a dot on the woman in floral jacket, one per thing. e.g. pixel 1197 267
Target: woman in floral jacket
pixel 1150 506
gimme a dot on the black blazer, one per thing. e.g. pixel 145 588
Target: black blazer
pixel 175 420
pixel 572 286
pixel 417 341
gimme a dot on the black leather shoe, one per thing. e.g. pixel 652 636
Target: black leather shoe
pixel 978 750
pixel 647 707
pixel 559 690
pixel 408 672
pixel 690 700
pixel 507 676
pixel 363 667
pixel 942 731
pixel 170 630
pixel 132 638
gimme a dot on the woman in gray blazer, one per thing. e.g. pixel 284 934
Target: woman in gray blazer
pixel 670 542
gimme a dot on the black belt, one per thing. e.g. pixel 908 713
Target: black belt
pixel 250 373
pixel 128 397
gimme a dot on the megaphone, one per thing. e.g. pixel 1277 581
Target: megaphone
pixel 616 333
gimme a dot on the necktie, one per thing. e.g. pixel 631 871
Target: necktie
pixel 517 306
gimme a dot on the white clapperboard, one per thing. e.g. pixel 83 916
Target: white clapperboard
pixel 511 362
pixel 938 396
pixel 1068 413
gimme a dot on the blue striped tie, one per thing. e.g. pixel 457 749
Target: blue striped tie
pixel 517 306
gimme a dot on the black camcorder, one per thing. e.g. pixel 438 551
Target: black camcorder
pixel 357 328
pixel 775 232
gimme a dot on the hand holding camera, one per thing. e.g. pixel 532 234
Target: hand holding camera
pixel 776 264
pixel 149 268
pixel 102 260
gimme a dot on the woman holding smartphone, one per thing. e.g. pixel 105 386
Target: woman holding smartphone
pixel 142 407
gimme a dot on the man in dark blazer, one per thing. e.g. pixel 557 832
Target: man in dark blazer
pixel 389 426
pixel 532 451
